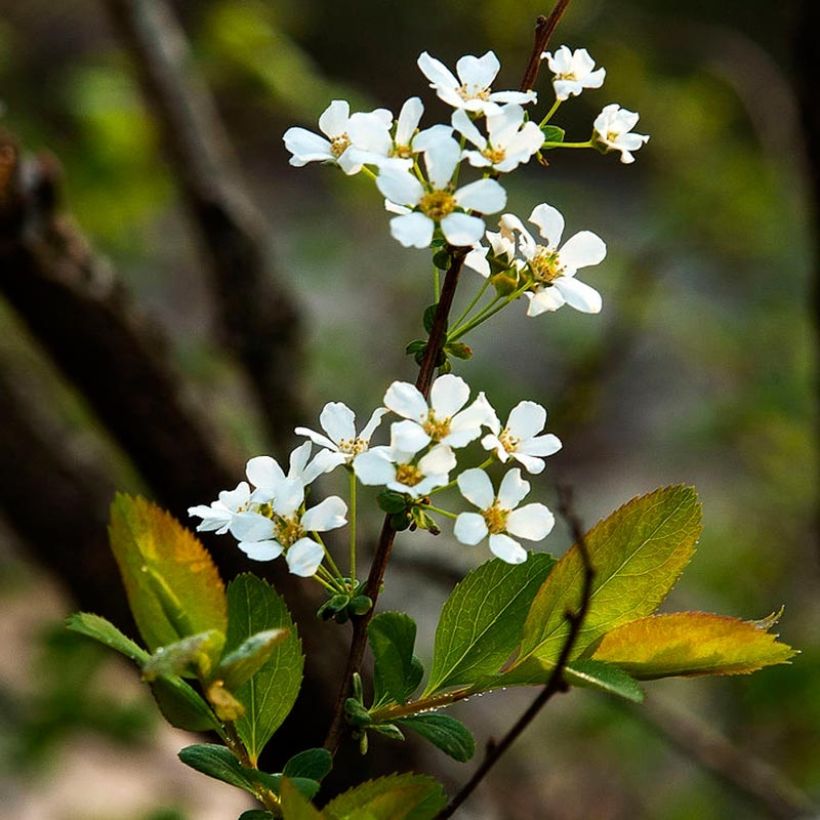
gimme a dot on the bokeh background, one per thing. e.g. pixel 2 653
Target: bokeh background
pixel 701 369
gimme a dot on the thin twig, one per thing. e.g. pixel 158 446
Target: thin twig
pixel 544 27
pixel 424 380
pixel 555 683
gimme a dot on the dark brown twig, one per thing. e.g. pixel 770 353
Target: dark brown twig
pixel 544 28
pixel 424 380
pixel 555 682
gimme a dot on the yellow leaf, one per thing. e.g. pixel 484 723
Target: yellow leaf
pixel 149 543
pixel 689 644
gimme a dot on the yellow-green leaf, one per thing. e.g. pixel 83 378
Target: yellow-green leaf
pixel 689 644
pixel 638 553
pixel 148 543
pixel 396 797
pixel 295 806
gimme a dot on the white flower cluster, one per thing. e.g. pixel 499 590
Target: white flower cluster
pixel 271 519
pixel 417 171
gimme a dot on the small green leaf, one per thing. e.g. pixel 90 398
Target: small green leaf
pixel 149 543
pixel 459 350
pixel 182 706
pixel 219 763
pixel 416 346
pixel 481 622
pixel 441 259
pixel 392 502
pixel 552 133
pixel 195 652
pixel 396 797
pixel 98 628
pixel 295 806
pixel 253 607
pixel 429 316
pixel 448 734
pixel 605 677
pixel 240 665
pixel 397 672
pixel 312 763
pixel 638 553
pixel 389 730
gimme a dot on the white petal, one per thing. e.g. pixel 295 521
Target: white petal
pixel 531 464
pixel 526 420
pixel 306 147
pixel 448 395
pixel 546 299
pixel 484 195
pixel 476 260
pixel 439 461
pixel 325 462
pixel 462 230
pixel 399 186
pixel 372 424
pixel 541 446
pixel 298 459
pixel 233 499
pixel 338 421
pixel 502 126
pixel 490 416
pixel 550 223
pixel 478 71
pixel 373 468
pixel 316 438
pixel 476 487
pixel 333 121
pixel 413 230
pixel 440 158
pixel 304 557
pixel 264 472
pixel 406 400
pixel 212 518
pixel 532 521
pixel 581 250
pixel 370 133
pixel 408 121
pixel 560 62
pixel 436 71
pixel 507 549
pixel 251 526
pixel 514 97
pixel 429 136
pixel 261 550
pixel 513 490
pixel 408 436
pixel 464 125
pixel 491 442
pixel 470 528
pixel 578 295
pixel 289 495
pixel 329 514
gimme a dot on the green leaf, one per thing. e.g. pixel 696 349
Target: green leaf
pixel 448 734
pixel 690 644
pixel 241 664
pixel 552 133
pixel 218 762
pixel 429 316
pixel 396 797
pixel 416 346
pixel 98 628
pixel 182 706
pixel 149 543
pixel 256 814
pixel 254 606
pixel 195 652
pixel 605 677
pixel 312 763
pixel 295 806
pixel 481 622
pixel 391 501
pixel 637 553
pixel 397 672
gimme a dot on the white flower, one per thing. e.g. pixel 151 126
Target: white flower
pixel 573 71
pixel 339 422
pixel 438 204
pixel 554 269
pixel 219 515
pixel 471 90
pixel 441 421
pixel 397 469
pixel 351 140
pixel 265 473
pixel 612 129
pixel 283 527
pixel 519 438
pixel 408 140
pixel 500 515
pixel 510 140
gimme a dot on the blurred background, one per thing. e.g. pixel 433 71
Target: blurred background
pixel 203 297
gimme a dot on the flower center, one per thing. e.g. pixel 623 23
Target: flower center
pixel 437 429
pixel 495 518
pixel 567 75
pixel 403 152
pixel 508 441
pixel 546 265
pixel 611 136
pixel 437 204
pixel 468 93
pixel 289 530
pixel 494 154
pixel 339 144
pixel 352 446
pixel 408 474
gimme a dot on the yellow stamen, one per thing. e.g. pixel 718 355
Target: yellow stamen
pixel 437 204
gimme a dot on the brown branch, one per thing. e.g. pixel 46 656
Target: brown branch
pixel 544 28
pixel 424 380
pixel 555 683
pixel 259 316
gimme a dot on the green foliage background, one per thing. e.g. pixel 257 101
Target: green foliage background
pixel 700 370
